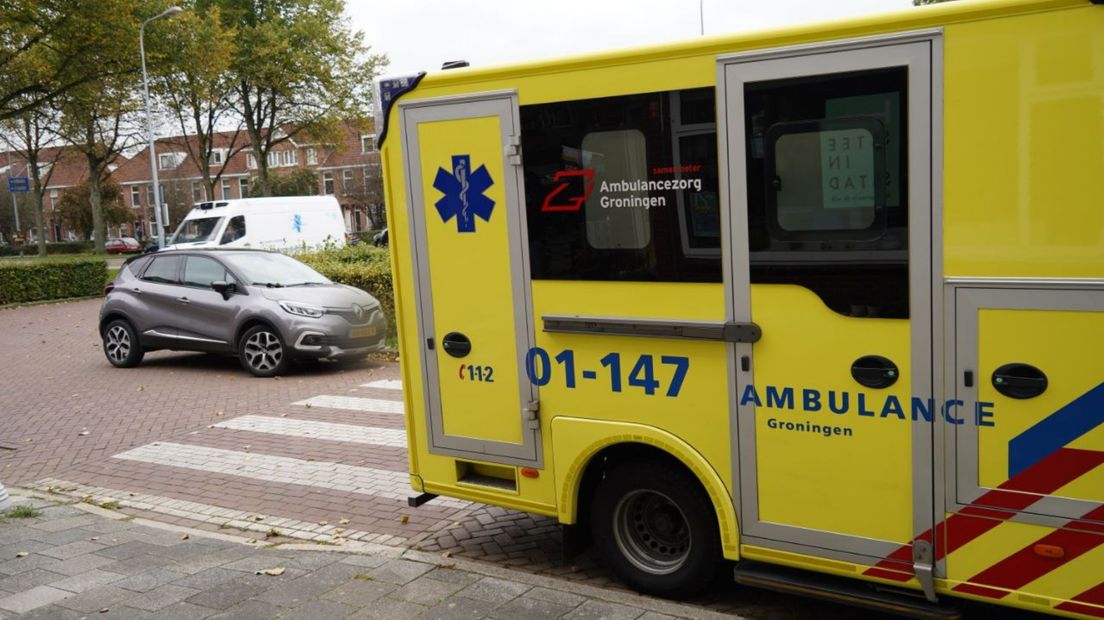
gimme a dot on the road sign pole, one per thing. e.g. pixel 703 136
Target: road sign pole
pixel 15 210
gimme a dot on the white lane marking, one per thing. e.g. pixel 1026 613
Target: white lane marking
pixel 384 384
pixel 270 468
pixel 354 403
pixel 373 435
pixel 218 515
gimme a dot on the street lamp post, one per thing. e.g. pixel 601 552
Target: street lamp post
pixel 169 12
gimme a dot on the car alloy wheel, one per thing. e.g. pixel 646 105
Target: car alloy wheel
pixel 117 344
pixel 263 352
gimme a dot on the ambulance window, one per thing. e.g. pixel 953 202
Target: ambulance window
pixel 621 222
pixel 828 189
pixel 623 188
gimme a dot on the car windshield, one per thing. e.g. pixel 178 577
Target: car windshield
pixel 270 269
pixel 200 229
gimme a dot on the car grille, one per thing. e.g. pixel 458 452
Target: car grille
pixel 366 317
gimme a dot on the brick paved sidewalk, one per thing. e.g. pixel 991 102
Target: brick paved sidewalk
pixel 73 561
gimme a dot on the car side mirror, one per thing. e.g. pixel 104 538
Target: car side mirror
pixel 225 288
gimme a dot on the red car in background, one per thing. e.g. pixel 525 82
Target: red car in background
pixel 123 245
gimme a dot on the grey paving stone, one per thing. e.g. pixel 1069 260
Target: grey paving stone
pixel 458 608
pixel 72 550
pixel 87 580
pixel 10 533
pixel 249 610
pixel 29 579
pixel 256 563
pixel 651 615
pixel 555 596
pixel 426 591
pixel 161 597
pixel 144 582
pixel 185 611
pixel 22 565
pixel 140 564
pixel 204 561
pixel 309 560
pixel 495 590
pixel 314 610
pixel 530 609
pixel 124 612
pixel 128 550
pixel 454 576
pixel 601 610
pixel 109 526
pixel 359 592
pixel 64 537
pixel 297 591
pixel 207 579
pixel 365 561
pixel 33 598
pixel 80 564
pixel 96 599
pixel 51 612
pixel 222 597
pixel 8 551
pixel 390 609
pixel 56 525
pixel 400 572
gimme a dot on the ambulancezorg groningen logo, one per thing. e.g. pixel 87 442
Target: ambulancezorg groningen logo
pixel 463 193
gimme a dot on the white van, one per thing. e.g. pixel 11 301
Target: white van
pixel 281 223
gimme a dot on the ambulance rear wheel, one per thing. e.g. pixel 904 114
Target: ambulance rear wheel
pixel 656 528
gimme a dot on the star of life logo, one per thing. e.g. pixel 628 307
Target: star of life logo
pixel 463 193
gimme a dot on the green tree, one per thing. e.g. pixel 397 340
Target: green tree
pixel 75 208
pixel 30 135
pixel 47 47
pixel 192 76
pixel 298 68
pixel 299 182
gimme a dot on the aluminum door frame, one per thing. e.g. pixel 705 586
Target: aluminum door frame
pixel 504 105
pixel 922 53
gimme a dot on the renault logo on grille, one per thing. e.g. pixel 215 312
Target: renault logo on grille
pixel 358 311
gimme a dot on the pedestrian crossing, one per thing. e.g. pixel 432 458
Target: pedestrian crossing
pixel 354 403
pixel 384 384
pixel 352 433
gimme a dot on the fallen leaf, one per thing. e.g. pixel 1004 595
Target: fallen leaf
pixel 344 522
pixel 447 554
pixel 273 572
pixel 94 538
pixel 404 520
pixel 141 388
pixel 219 412
pixel 308 405
pixel 185 537
pixel 82 433
pixel 251 540
pixel 259 518
pixel 323 522
pixel 22 554
pixel 104 610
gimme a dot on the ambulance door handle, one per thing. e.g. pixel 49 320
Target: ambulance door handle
pixel 1019 381
pixel 456 344
pixel 874 371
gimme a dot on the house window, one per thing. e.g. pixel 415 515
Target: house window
pixel 53 197
pixel 226 189
pixel 327 183
pixel 197 192
pixel 243 187
pixel 161 194
pixel 347 181
pixel 282 158
pixel 149 194
pixel 214 158
pixel 135 197
pixel 168 161
pixel 356 220
pixel 251 161
pixel 312 157
pixel 368 143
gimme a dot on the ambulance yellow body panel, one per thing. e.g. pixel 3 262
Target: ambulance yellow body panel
pixel 828 298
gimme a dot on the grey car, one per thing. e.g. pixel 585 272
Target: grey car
pixel 267 308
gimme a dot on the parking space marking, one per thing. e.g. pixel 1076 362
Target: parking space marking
pixel 354 403
pixel 312 429
pixel 384 384
pixel 318 474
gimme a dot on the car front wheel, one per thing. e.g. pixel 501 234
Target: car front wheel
pixel 262 352
pixel 120 344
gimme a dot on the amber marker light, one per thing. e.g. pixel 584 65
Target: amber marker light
pixel 529 472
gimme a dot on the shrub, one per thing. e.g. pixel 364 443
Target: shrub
pixel 363 266
pixel 27 280
pixel 64 247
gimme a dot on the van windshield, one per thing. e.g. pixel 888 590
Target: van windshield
pixel 199 229
pixel 271 269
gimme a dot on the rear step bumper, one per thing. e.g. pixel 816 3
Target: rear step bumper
pixel 842 590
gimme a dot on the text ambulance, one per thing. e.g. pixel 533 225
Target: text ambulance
pixel 824 301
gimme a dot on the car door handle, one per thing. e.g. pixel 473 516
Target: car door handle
pixel 183 300
pixel 137 291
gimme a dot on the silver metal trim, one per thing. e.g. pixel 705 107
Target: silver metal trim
pixel 651 328
pixel 1032 283
pixel 504 105
pixel 917 51
pixel 307 347
pixel 154 332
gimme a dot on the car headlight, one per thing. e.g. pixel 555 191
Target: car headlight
pixel 298 309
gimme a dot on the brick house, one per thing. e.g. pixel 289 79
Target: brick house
pixel 66 169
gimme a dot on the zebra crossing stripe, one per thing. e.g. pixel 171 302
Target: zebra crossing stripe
pixel 384 384
pixel 312 429
pixel 270 468
pixel 354 403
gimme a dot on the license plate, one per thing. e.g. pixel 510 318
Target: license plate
pixel 363 332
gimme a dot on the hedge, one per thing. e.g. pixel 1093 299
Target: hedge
pixel 37 280
pixel 363 266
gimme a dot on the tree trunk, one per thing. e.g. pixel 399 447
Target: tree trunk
pixel 98 228
pixel 40 224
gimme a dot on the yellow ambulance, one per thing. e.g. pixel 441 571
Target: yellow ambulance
pixel 826 302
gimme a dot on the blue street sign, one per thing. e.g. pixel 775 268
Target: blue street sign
pixel 18 185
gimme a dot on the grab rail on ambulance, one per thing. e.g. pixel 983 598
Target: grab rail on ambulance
pixel 655 328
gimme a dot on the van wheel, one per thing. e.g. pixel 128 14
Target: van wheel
pixel 656 528
pixel 262 352
pixel 120 344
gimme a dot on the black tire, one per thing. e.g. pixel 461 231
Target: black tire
pixel 262 352
pixel 655 527
pixel 121 345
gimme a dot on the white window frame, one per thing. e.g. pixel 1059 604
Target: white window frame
pixel 251 161
pixel 226 189
pixel 197 191
pixel 367 142
pixel 327 178
pixel 243 186
pixel 216 157
pixel 135 196
pixel 346 180
pixel 312 157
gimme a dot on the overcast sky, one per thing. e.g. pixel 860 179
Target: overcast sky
pixel 421 34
